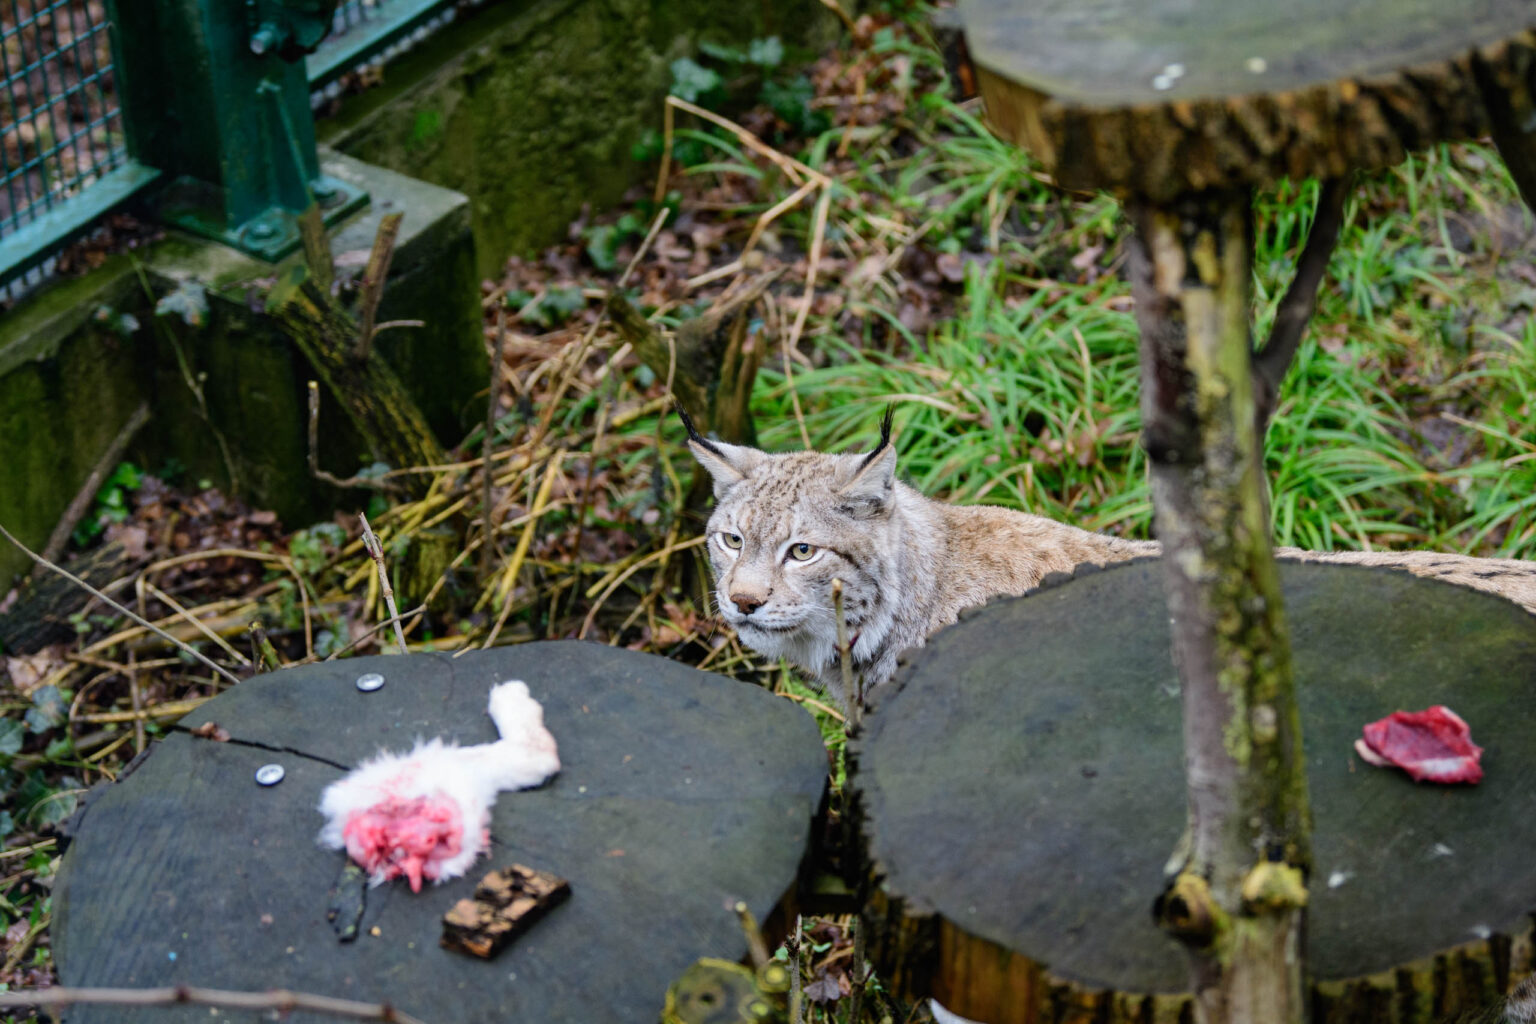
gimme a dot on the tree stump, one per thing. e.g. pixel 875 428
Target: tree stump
pixel 1159 100
pixel 1021 786
pixel 1183 107
pixel 680 793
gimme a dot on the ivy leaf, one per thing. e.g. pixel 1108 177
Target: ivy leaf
pixel 189 302
pixel 603 246
pixel 692 81
pixel 719 51
pixel 766 53
pixel 47 709
pixel 12 733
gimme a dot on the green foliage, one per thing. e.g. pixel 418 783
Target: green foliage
pixel 113 503
pixel 12 734
pixel 550 310
pixel 792 102
pixel 124 325
pixel 311 548
pixel 189 303
pixel 693 82
pixel 47 711
pixel 604 240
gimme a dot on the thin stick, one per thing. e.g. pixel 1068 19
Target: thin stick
pixel 509 578
pixel 197 624
pixel 1295 309
pixel 136 697
pixel 374 276
pixel 376 552
pixel 665 170
pixel 855 1013
pixel 77 581
pixel 488 545
pixel 847 21
pixel 170 709
pixel 282 1001
pixel 796 1001
pixel 314 451
pixel 844 656
pixel 54 549
pixel 626 574
pixel 756 947
pixel 395 621
pixel 261 646
pixel 818 233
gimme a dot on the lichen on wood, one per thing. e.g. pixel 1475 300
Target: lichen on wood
pixel 1247 787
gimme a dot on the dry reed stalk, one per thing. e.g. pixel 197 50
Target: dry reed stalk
pixel 618 581
pixel 151 590
pixel 77 581
pixel 507 585
pixel 376 552
pixel 818 234
pixel 169 709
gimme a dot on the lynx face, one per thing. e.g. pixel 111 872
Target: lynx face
pixel 784 527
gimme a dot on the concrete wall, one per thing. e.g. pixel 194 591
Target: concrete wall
pixel 531 109
pixel 522 111
pixel 68 382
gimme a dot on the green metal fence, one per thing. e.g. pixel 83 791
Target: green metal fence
pixel 364 29
pixel 102 101
pixel 63 148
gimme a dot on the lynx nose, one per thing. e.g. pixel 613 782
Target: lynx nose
pixel 747 603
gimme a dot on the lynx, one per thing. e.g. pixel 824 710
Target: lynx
pixel 786 525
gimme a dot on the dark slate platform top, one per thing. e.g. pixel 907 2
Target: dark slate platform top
pixel 1026 781
pixel 1110 52
pixel 680 790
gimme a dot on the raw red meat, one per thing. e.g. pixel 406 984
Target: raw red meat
pixel 1434 745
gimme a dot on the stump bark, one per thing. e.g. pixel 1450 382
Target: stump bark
pixel 680 793
pixel 1020 785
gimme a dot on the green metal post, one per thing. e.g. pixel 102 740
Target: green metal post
pixel 215 96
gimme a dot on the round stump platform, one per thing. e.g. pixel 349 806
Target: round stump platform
pixel 680 791
pixel 1022 785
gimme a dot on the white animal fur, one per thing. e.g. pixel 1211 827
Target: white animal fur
pixel 525 756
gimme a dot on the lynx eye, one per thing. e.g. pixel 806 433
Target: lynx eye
pixel 801 551
pixel 731 540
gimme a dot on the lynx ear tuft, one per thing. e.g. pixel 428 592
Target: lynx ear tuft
pixel 728 464
pixel 869 491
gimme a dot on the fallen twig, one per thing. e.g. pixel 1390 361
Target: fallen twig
pixel 40 560
pixel 86 495
pixel 374 276
pixel 281 1001
pixel 376 552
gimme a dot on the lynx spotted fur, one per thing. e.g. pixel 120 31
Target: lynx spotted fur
pixel 786 525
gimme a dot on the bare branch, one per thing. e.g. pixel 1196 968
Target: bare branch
pixel 376 552
pixel 374 276
pixel 54 549
pixel 1271 361
pixel 77 581
pixel 280 1000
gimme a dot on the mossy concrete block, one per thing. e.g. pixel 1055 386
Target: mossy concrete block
pixel 532 109
pixel 67 386
pixel 68 383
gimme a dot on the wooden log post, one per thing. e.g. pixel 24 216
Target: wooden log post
pixel 1236 893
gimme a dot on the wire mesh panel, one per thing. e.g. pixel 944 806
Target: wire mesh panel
pixel 61 126
pixel 366 31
